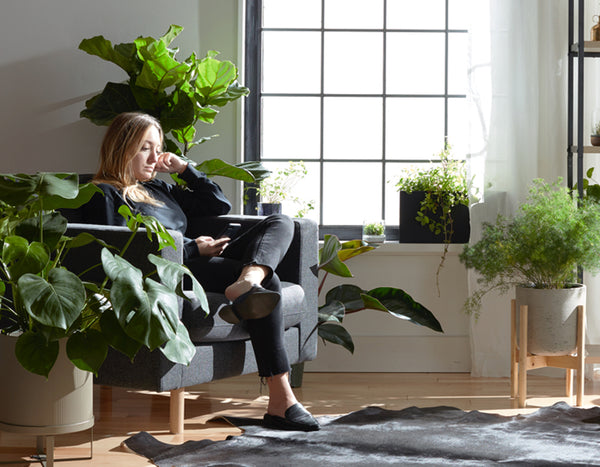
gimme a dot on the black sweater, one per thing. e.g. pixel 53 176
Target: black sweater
pixel 201 198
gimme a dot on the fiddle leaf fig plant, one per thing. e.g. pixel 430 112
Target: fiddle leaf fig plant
pixel 347 299
pixel 179 94
pixel 43 302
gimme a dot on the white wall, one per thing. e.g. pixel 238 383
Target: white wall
pixel 384 343
pixel 46 79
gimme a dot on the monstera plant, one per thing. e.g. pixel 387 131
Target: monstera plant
pixel 42 302
pixel 346 299
pixel 179 94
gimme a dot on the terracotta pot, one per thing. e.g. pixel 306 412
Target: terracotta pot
pixel 551 318
pixel 595 140
pixel 32 404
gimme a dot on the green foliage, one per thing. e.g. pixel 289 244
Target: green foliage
pixel 540 247
pixel 179 94
pixel 591 188
pixel 596 128
pixel 374 228
pixel 345 299
pixel 277 187
pixel 43 302
pixel 445 185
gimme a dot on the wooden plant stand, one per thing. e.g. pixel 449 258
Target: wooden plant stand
pixel 521 361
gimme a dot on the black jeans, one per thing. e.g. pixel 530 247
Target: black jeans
pixel 264 244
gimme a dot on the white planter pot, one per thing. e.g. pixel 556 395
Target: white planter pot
pixel 551 318
pixel 32 404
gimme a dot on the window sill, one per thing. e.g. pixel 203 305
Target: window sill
pixel 413 249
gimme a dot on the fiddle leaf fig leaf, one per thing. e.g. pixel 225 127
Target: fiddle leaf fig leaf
pixel 116 98
pixel 214 167
pixel 104 49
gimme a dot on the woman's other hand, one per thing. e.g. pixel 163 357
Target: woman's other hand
pixel 170 163
pixel 208 246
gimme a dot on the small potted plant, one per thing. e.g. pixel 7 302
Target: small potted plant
pixel 277 188
pixel 434 204
pixel 538 252
pixel 373 232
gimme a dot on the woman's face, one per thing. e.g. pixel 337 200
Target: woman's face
pixel 144 161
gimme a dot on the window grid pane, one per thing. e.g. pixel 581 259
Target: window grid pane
pixel 389 92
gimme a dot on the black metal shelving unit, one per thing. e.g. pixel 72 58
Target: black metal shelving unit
pixel 579 50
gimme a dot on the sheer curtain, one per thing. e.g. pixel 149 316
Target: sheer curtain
pixel 518 97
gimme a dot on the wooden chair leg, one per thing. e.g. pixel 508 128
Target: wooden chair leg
pixel 177 410
pixel 522 355
pixel 514 366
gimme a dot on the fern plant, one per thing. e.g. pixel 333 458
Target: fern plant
pixel 541 247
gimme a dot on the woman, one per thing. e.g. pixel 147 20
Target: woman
pixel 130 156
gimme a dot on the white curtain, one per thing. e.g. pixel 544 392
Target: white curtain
pixel 518 97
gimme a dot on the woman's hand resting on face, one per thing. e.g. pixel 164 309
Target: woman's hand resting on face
pixel 208 246
pixel 170 163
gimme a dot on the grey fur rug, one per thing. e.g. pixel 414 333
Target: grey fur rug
pixel 557 435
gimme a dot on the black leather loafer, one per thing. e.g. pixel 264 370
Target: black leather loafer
pixel 257 303
pixel 297 418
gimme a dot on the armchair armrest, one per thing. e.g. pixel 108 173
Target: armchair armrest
pixel 89 255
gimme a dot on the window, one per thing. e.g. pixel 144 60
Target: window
pixel 358 90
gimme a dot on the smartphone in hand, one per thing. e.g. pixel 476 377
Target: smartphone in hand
pixel 230 231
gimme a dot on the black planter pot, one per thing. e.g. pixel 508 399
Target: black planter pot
pixel 411 231
pixel 266 209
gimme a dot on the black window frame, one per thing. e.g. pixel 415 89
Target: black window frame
pixel 252 111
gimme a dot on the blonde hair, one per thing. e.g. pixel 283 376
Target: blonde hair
pixel 122 141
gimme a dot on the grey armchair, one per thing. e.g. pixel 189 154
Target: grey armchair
pixel 222 349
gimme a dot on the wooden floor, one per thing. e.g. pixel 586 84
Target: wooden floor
pixel 120 413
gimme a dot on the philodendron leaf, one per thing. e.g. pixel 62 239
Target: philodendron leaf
pixel 57 302
pixel 35 354
pixel 49 228
pixel 353 248
pixel 349 295
pixel 329 260
pixel 23 257
pixel 171 275
pixel 179 349
pixel 336 334
pixel 401 305
pixel 117 338
pixel 87 350
pixel 332 312
pixel 16 189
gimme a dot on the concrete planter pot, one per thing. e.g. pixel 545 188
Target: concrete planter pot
pixel 552 318
pixel 32 404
